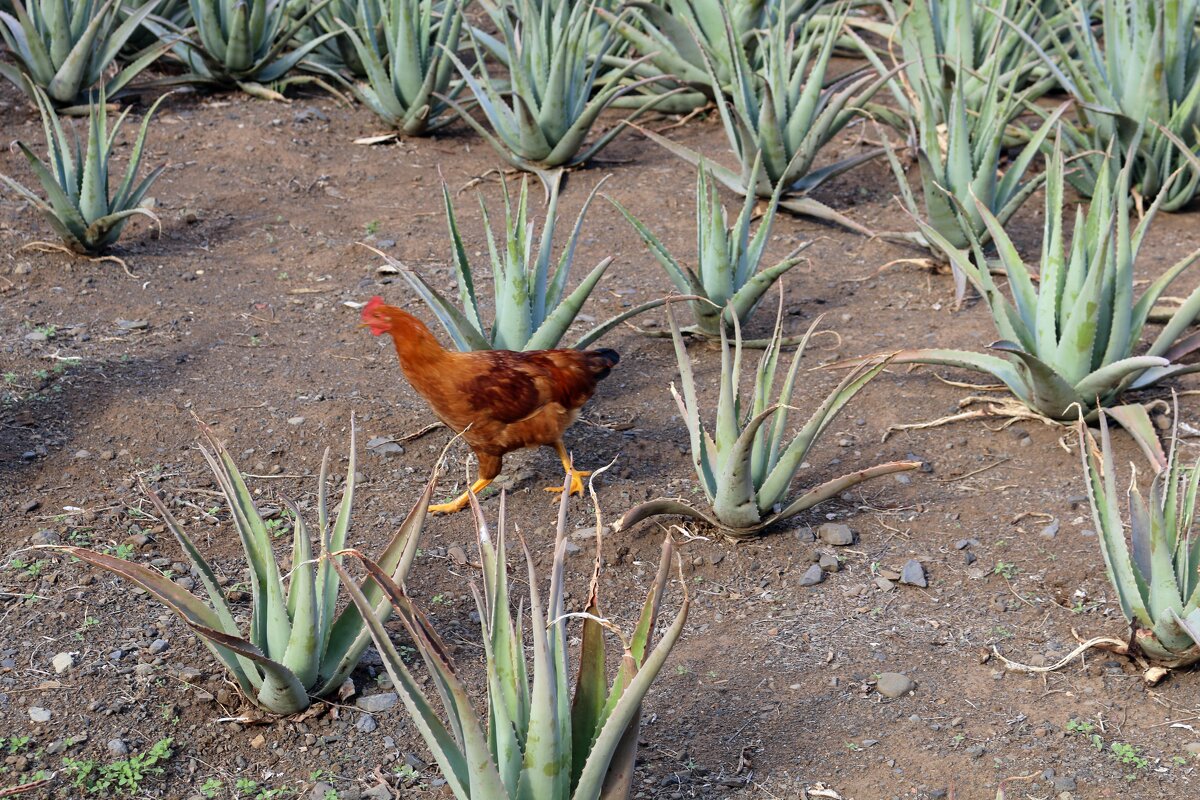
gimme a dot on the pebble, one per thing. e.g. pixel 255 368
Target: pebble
pixel 1064 783
pixel 295 421
pixel 38 714
pixel 366 723
pixel 836 534
pixel 913 574
pixel 29 506
pixel 1050 531
pixel 884 584
pixel 829 562
pixel 258 742
pixel 118 748
pixel 132 324
pixel 374 703
pixel 159 645
pixel 963 544
pixel 62 662
pixel 82 454
pixel 322 790
pixel 36 336
pixel 45 537
pixel 894 684
pixel 384 446
pixel 812 576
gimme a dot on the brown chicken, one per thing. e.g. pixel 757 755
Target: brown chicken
pixel 499 400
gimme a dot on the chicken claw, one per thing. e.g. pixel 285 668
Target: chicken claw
pixel 576 483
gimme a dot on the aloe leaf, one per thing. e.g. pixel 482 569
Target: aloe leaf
pixel 660 507
pixel 552 330
pixel 463 765
pixel 836 486
pixel 1136 420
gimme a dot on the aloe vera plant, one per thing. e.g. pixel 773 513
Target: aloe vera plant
pixel 746 465
pixel 686 40
pixel 245 44
pixel 407 67
pixel 786 112
pixel 337 54
pixel 1156 573
pixel 965 167
pixel 297 643
pixel 176 12
pixel 1068 339
pixel 535 739
pixel 554 95
pixel 67 49
pixel 79 204
pixel 967 47
pixel 1136 76
pixel 532 307
pixel 728 279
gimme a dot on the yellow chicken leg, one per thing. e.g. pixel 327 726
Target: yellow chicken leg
pixel 577 476
pixel 462 501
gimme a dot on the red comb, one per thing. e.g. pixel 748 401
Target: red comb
pixel 372 304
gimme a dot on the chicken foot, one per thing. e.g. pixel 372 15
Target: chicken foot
pixel 577 476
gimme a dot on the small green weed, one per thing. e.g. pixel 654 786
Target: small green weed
pixel 118 777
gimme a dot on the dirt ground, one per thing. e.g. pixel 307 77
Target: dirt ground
pixel 238 314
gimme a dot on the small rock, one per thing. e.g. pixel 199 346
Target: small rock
pixel 1193 748
pixel 374 703
pixel 143 670
pixel 901 478
pixel 38 714
pixel 804 534
pixel 62 662
pixel 258 742
pixel 132 324
pixel 45 537
pixel 812 576
pixel 913 574
pixel 81 454
pixel 36 336
pixel 963 544
pixel 117 748
pixel 384 446
pixel 836 534
pixel 107 455
pixel 29 506
pixel 457 555
pixel 56 747
pixel 976 751
pixel 322 790
pixel 190 675
pixel 1050 531
pixel 829 562
pixel 894 684
pixel 571 547
pixel 293 421
pixel 1064 783
pixel 884 584
pixel 366 723
pixel 159 645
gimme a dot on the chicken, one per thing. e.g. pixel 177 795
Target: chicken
pixel 499 400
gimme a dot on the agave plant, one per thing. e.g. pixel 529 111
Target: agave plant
pixel 1156 573
pixel 336 54
pixel 728 279
pixel 965 166
pixel 552 85
pixel 67 49
pixel 745 467
pixel 1135 80
pixel 297 644
pixel 787 113
pixel 535 738
pixel 533 310
pixel 78 203
pixel 1068 339
pixel 407 67
pixel 245 44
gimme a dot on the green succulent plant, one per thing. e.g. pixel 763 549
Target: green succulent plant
pixel 1134 80
pixel 68 49
pixel 1156 573
pixel 298 644
pixel 176 12
pixel 686 41
pixel 407 67
pixel 536 738
pixel 729 278
pixel 553 85
pixel 533 309
pixel 250 45
pixel 337 54
pixel 79 204
pixel 746 465
pixel 962 171
pixel 1068 340
pixel 785 113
